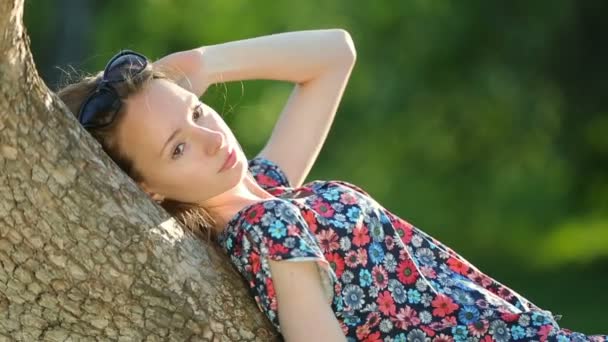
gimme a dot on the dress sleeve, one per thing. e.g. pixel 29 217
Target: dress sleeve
pixel 274 230
pixel 268 174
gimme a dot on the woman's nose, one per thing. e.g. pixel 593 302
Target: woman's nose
pixel 211 139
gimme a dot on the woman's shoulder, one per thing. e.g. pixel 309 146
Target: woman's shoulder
pixel 333 185
pixel 257 217
pixel 272 178
pixel 267 173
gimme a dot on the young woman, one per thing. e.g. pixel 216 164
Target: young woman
pixel 324 260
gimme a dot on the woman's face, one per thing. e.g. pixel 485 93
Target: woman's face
pixel 179 144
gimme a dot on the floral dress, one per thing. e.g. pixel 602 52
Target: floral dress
pixel 386 280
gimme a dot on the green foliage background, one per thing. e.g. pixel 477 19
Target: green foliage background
pixel 482 122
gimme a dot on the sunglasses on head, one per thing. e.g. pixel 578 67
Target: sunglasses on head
pixel 100 108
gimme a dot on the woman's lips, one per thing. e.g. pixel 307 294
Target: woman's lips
pixel 230 161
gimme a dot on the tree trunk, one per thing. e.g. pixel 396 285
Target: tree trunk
pixel 84 254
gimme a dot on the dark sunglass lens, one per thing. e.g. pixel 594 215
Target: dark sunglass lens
pixel 128 64
pixel 100 109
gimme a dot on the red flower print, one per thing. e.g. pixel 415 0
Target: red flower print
pixel 544 331
pixel 428 272
pixel 271 294
pixel 509 316
pixel 336 262
pixel 351 259
pixel 449 321
pixel 480 278
pixel 328 239
pixel 478 328
pixel 443 305
pixel 361 236
pixel 344 327
pixel 403 229
pixel 254 214
pixel 505 293
pixel 389 242
pixel 407 317
pixel 386 304
pixel 380 276
pixel 276 191
pixel 265 180
pixel 348 198
pixel 254 260
pixel 362 331
pixel 293 230
pixel 493 288
pixel 362 257
pixel 406 272
pixel 487 338
pixel 277 249
pixel 311 220
pixel 458 266
pixel 373 319
pixel 427 330
pixel 375 337
pixel 323 208
pixel 443 338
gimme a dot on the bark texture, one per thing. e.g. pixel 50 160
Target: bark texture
pixel 84 254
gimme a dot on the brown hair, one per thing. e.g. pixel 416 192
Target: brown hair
pixel 192 216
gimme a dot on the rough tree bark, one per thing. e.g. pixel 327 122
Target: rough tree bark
pixel 84 254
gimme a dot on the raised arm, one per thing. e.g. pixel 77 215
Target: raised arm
pixel 304 314
pixel 319 62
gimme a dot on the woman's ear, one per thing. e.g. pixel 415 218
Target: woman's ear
pixel 148 190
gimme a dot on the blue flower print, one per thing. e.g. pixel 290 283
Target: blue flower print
pixel 305 247
pixel 352 320
pixel 286 213
pixel 353 296
pixel 365 278
pixel 460 333
pixel 353 213
pixel 397 290
pixel 413 296
pixel 539 319
pixel 468 314
pixel 426 257
pixel 400 338
pixel 499 331
pixel 278 229
pixel 463 297
pixel 518 332
pixel 229 243
pixel 331 195
pixel 338 224
pixel 376 253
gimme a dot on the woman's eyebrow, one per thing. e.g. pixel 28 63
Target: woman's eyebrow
pixel 198 104
pixel 169 140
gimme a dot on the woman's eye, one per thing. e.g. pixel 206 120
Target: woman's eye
pixel 197 113
pixel 178 151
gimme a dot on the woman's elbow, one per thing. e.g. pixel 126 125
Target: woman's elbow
pixel 346 46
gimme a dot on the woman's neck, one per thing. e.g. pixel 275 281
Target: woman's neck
pixel 223 207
